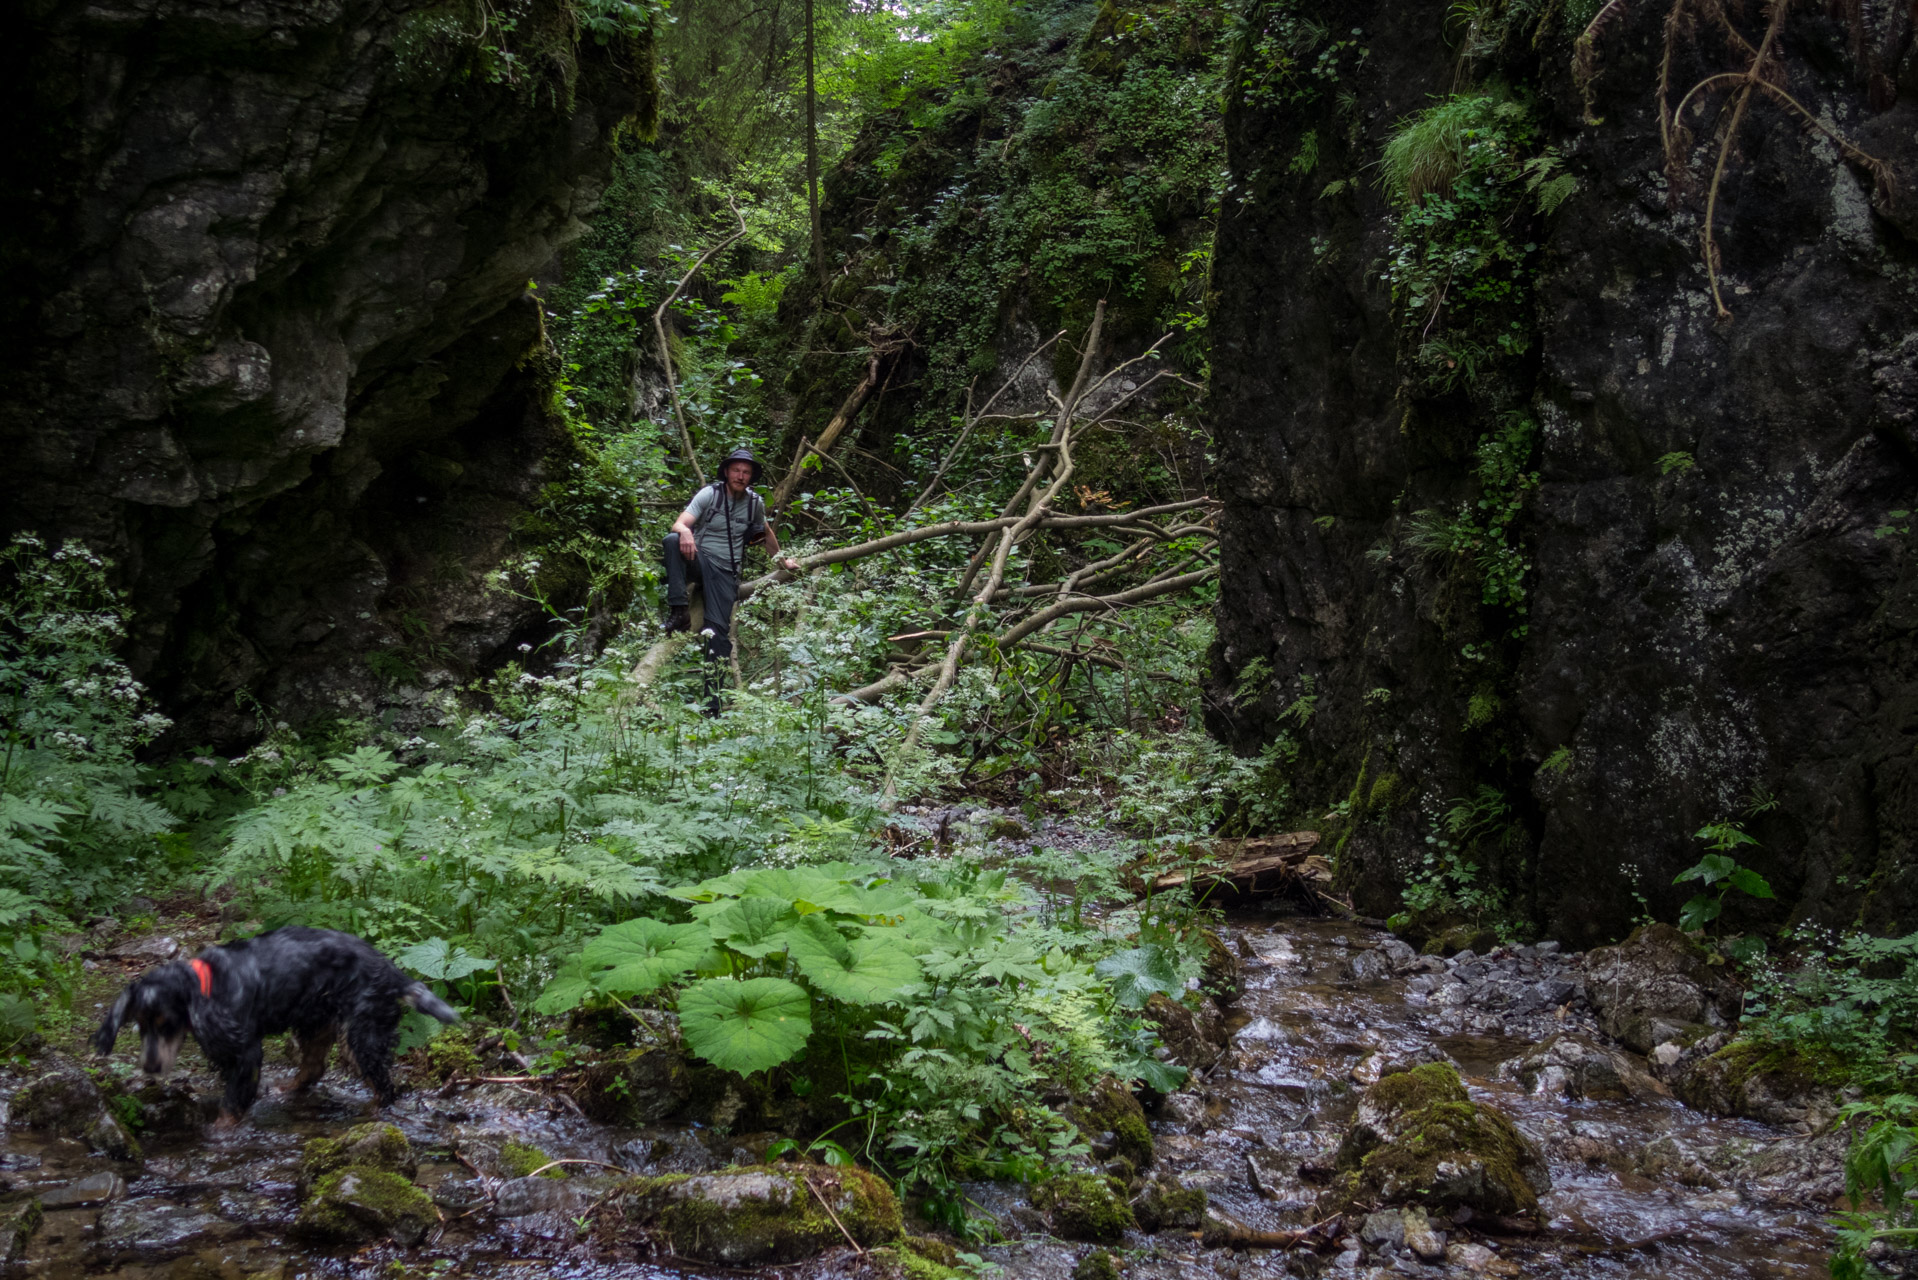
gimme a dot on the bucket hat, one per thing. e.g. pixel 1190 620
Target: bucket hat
pixel 741 454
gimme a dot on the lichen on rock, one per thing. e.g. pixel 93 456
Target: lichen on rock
pixel 1658 986
pixel 757 1214
pixel 1419 1139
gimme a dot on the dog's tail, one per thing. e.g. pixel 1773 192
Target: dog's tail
pixel 426 1002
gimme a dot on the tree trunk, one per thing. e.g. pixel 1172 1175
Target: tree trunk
pixel 812 159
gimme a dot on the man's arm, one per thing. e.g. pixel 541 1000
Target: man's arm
pixel 772 549
pixel 684 528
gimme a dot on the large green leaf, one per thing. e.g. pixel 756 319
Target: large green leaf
pixel 638 956
pixel 440 960
pixel 754 927
pixel 566 992
pixel 745 1026
pixel 863 970
pixel 1137 975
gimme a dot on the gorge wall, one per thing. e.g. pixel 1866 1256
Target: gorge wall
pixel 1720 579
pixel 267 337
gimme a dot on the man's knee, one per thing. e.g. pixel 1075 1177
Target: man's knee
pixel 669 545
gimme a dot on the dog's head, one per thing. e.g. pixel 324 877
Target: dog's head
pixel 160 1004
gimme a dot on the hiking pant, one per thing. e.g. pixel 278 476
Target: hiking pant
pixel 720 586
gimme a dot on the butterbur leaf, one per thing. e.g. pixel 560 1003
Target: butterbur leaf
pixel 754 927
pixel 1138 974
pixel 868 970
pixel 638 956
pixel 1751 882
pixel 1162 1076
pixel 745 1026
pixel 1711 868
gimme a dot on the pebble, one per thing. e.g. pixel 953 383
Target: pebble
pixel 98 1189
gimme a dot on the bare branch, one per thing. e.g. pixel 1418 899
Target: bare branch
pixel 665 352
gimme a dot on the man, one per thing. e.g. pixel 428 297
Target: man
pixel 709 542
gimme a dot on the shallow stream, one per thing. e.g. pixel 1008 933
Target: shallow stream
pixel 1639 1188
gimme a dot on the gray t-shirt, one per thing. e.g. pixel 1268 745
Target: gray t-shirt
pixel 710 522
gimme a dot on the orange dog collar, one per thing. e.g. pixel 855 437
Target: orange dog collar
pixel 204 972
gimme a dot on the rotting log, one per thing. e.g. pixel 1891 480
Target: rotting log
pixel 1258 865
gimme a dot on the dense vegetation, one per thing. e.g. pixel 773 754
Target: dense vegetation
pixel 560 835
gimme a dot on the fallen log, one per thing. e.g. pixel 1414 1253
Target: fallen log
pixel 1254 866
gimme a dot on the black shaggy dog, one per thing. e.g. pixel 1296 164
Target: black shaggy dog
pixel 316 983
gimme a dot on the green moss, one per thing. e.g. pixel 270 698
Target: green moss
pixel 1167 1206
pixel 519 1160
pixel 1387 790
pixel 756 1214
pixel 18 1222
pixel 372 1146
pixel 1109 1107
pixel 1421 1140
pixel 1097 1265
pixel 448 1058
pixel 1086 1206
pixel 357 1203
pixel 921 1258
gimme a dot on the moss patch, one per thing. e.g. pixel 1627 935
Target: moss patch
pixel 633 1086
pixel 357 1204
pixel 1097 1265
pixel 1777 1083
pixel 371 1146
pixel 520 1159
pixel 1086 1206
pixel 1167 1206
pixel 920 1258
pixel 1419 1139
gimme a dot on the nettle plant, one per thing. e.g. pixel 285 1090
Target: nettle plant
pixel 936 971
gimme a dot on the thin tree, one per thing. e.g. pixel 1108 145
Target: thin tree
pixel 812 158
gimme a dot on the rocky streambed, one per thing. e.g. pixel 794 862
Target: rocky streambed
pixel 1359 1109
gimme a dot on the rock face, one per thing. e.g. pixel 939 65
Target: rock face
pixel 1720 598
pixel 66 1101
pixel 267 336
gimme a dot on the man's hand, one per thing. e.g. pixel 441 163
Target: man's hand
pixel 789 564
pixel 687 547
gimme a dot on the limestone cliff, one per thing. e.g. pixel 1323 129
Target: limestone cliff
pixel 267 338
pixel 1722 590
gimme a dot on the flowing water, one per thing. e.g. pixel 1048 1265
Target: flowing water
pixel 210 1205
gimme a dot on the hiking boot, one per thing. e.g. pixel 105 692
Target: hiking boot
pixel 680 619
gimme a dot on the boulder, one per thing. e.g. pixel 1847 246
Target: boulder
pixel 1195 1038
pixel 1418 1139
pixel 638 1087
pixel 1098 1264
pixel 1169 1205
pixel 1781 1084
pixel 68 1101
pixel 100 1188
pixel 1571 1067
pixel 1113 1123
pixel 1085 1206
pixel 523 1197
pixel 359 1204
pixel 369 1146
pixel 1657 986
pixel 759 1214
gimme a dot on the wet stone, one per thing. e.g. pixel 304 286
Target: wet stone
pixel 524 1196
pixel 18 1223
pixel 253 1211
pixel 1386 1227
pixel 152 1229
pixel 155 948
pixel 98 1189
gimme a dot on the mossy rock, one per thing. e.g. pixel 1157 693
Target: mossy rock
pixel 18 1223
pixel 919 1258
pixel 1168 1206
pixel 451 1057
pixel 520 1159
pixel 1658 986
pixel 357 1204
pixel 1112 1121
pixel 1001 827
pixel 1099 1264
pixel 1419 1139
pixel 77 1103
pixel 635 1087
pixel 602 1027
pixel 370 1146
pixel 1453 939
pixel 1086 1206
pixel 1194 1037
pixel 1777 1083
pixel 752 1215
pixel 1222 975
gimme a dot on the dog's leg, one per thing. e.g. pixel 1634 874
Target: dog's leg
pixel 369 1046
pixel 242 1085
pixel 313 1050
